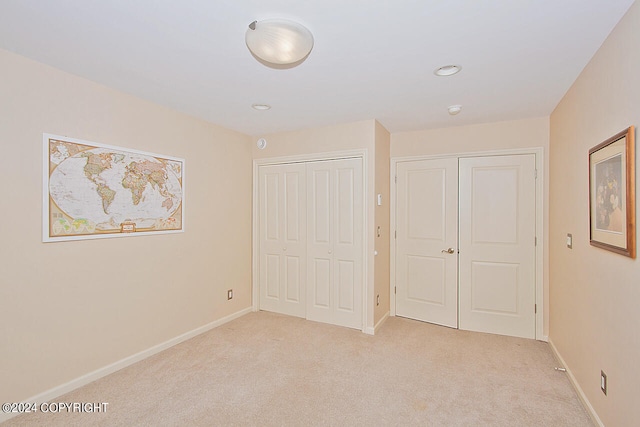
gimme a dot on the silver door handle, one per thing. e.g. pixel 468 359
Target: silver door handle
pixel 448 251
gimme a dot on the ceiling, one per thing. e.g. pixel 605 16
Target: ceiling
pixel 372 59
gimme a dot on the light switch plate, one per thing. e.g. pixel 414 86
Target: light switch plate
pixel 569 241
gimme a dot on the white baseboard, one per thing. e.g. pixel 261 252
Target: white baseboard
pixel 583 397
pixel 123 363
pixel 372 331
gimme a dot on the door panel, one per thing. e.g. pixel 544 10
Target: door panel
pixel 282 252
pixel 295 205
pixel 426 203
pixel 494 287
pixel 426 216
pixel 346 283
pixel 495 205
pixel 272 276
pixel 335 199
pixel 321 206
pixel 293 285
pixel 345 187
pixel 271 195
pixel 497 245
pixel 419 268
pixel 319 249
pixel 321 283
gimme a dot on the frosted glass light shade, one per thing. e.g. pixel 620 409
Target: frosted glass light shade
pixel 454 109
pixel 279 41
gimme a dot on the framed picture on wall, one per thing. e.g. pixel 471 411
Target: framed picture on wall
pixel 612 213
pixel 93 190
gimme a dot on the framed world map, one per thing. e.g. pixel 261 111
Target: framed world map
pixel 93 190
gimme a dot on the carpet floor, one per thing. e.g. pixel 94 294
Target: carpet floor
pixel 265 369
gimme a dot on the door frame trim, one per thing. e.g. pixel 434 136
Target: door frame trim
pixel 541 227
pixel 255 236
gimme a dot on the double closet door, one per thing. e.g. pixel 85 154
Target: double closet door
pixel 311 218
pixel 465 245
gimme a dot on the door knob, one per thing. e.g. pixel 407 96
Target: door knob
pixel 448 251
pixel 284 249
pixel 330 251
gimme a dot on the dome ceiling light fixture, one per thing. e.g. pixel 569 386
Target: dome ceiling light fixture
pixel 261 107
pixel 279 43
pixel 447 70
pixel 454 109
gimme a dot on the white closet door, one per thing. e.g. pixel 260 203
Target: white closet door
pixel 427 239
pixel 497 245
pixel 335 203
pixel 283 231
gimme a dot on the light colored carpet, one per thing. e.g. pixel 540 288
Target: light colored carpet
pixel 271 370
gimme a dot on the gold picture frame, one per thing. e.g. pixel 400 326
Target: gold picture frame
pixel 612 205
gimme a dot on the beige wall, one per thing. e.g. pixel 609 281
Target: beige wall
pixel 349 136
pixel 516 134
pixel 595 294
pixel 525 133
pixel 331 139
pixel 382 243
pixel 69 308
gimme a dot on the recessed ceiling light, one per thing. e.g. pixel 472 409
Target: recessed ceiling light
pixel 454 109
pixel 261 107
pixel 447 70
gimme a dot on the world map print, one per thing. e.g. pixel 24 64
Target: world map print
pixel 95 190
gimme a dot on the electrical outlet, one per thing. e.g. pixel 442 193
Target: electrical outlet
pixel 603 382
pixel 230 294
pixel 378 299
